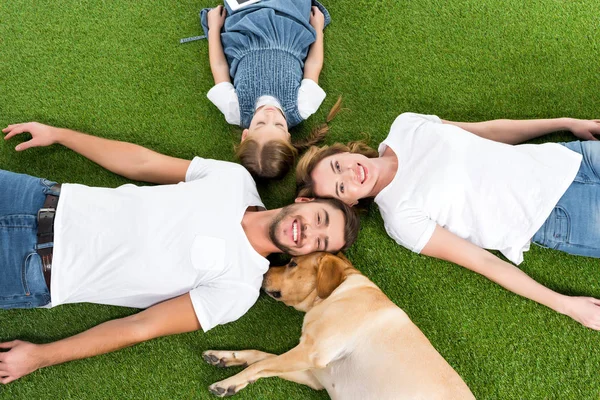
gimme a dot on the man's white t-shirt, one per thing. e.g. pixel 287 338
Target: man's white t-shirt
pixel 492 194
pixel 224 96
pixel 137 246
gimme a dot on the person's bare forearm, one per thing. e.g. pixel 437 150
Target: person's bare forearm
pixel 104 338
pixel 125 159
pixel 216 56
pixel 514 131
pixel 167 318
pixel 314 61
pixel 512 278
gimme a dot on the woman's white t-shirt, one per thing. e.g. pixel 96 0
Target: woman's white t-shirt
pixel 492 194
pixel 136 246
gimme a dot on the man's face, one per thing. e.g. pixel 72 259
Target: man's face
pixel 308 226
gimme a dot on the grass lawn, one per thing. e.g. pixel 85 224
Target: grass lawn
pixel 115 69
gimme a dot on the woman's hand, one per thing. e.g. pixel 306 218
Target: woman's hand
pixel 41 135
pixel 216 18
pixel 585 310
pixel 585 129
pixel 18 359
pixel 317 19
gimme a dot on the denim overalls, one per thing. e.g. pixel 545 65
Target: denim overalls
pixel 266 44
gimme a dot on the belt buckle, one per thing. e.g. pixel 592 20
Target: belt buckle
pixel 46 213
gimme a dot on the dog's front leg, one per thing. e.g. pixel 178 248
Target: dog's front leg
pixel 230 358
pixel 287 364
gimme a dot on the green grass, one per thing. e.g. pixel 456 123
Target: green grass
pixel 115 69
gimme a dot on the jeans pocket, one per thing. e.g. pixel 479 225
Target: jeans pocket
pixel 27 288
pixel 559 228
pixel 34 282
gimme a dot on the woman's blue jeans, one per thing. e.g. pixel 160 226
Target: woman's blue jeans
pixel 22 283
pixel 574 224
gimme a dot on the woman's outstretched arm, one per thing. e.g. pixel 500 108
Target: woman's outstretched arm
pixel 519 131
pixel 447 246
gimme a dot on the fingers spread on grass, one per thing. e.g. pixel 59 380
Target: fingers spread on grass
pixel 7 345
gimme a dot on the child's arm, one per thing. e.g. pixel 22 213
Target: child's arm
pixel 314 61
pixel 518 131
pixel 218 63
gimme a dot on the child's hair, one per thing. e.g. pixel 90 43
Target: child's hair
pixel 274 159
pixel 304 181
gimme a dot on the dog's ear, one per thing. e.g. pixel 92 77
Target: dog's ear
pixel 329 275
pixel 343 257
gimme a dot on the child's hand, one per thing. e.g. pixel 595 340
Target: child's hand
pixel 317 19
pixel 216 18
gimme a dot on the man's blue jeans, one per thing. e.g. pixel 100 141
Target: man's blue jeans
pixel 22 282
pixel 574 224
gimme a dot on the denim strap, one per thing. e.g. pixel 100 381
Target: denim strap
pixel 192 39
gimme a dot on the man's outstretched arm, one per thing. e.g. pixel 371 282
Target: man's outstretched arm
pixel 170 317
pixel 126 159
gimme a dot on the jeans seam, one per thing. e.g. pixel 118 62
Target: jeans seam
pixel 590 164
pixel 581 246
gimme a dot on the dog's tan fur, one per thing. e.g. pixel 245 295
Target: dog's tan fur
pixel 355 342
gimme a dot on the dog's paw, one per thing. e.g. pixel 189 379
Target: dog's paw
pixel 222 390
pixel 223 359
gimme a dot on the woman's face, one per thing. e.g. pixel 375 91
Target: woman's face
pixel 345 176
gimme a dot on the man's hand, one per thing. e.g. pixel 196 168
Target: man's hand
pixel 170 317
pixel 317 19
pixel 18 359
pixel 585 310
pixel 585 129
pixel 216 18
pixel 41 135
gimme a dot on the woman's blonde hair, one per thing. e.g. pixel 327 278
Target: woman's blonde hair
pixel 274 159
pixel 304 182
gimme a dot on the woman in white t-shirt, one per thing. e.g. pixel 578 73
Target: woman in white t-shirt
pixel 451 189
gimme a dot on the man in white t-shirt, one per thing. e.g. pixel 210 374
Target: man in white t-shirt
pixel 192 250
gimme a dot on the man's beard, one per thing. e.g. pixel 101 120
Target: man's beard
pixel 285 211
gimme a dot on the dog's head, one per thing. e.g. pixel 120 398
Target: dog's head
pixel 306 279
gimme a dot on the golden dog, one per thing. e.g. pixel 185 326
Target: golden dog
pixel 355 342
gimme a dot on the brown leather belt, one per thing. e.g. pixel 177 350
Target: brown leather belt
pixel 45 232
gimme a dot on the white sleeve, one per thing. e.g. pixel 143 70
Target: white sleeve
pixel 410 228
pixel 223 96
pixel 198 169
pixel 404 126
pixel 310 97
pixel 410 119
pixel 222 302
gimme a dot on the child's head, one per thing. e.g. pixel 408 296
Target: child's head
pixel 266 159
pixel 265 149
